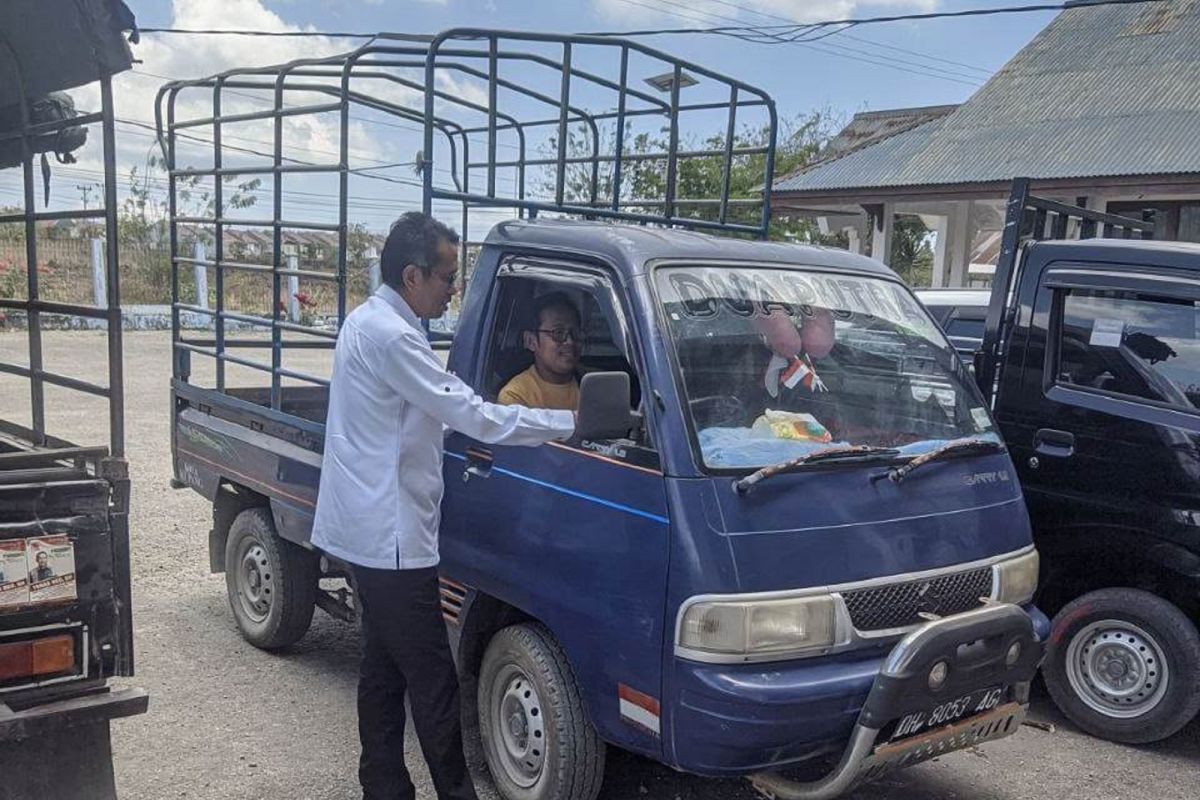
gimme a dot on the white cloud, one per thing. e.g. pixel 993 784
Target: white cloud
pixel 307 138
pixel 179 56
pixel 711 13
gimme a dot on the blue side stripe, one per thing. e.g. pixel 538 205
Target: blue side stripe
pixel 572 493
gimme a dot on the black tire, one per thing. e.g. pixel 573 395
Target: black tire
pixel 271 583
pixel 524 664
pixel 1101 642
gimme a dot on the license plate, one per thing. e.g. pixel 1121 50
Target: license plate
pixel 994 724
pixel 944 713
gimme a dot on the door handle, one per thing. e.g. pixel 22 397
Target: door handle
pixel 1054 443
pixel 479 463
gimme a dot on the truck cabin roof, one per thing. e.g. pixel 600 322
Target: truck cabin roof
pixel 1142 252
pixel 628 248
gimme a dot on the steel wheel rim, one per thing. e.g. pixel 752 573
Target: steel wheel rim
pixel 518 726
pixel 255 580
pixel 1117 669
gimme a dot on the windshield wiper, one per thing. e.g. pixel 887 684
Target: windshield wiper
pixel 853 453
pixel 898 474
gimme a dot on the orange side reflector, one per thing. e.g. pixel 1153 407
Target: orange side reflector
pixel 53 654
pixel 31 659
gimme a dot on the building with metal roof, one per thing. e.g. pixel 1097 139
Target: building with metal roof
pixel 1103 107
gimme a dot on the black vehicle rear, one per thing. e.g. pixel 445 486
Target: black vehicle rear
pixel 1091 360
pixel 65 618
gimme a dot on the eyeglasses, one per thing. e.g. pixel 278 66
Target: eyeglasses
pixel 561 335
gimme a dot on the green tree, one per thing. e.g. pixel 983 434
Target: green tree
pixel 700 177
pixel 912 256
pixel 143 216
pixel 12 231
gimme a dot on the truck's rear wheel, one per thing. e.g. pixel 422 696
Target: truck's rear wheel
pixel 537 738
pixel 271 583
pixel 1124 664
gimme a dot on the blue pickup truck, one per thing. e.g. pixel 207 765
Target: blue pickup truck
pixel 742 564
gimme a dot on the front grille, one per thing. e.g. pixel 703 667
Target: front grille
pixel 896 605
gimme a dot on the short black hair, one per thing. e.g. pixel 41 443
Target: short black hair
pixel 548 301
pixel 413 239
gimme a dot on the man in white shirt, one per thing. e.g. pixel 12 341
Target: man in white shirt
pixel 379 500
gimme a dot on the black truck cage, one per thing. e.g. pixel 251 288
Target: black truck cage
pixel 1029 218
pixel 70 501
pixel 28 64
pixel 586 134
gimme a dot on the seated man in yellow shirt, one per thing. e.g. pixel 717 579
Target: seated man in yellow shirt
pixel 556 342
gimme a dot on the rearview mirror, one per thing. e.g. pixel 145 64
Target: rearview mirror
pixel 604 411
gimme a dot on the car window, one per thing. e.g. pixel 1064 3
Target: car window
pixel 603 347
pixel 1131 344
pixel 966 328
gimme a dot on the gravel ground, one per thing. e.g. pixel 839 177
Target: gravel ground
pixel 228 721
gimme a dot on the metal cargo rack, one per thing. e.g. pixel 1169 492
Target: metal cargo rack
pixel 34 307
pixel 583 117
pixel 1032 218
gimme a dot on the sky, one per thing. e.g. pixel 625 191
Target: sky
pixel 872 67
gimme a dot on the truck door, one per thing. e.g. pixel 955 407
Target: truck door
pixel 1103 419
pixel 573 534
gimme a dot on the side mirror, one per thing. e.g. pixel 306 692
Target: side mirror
pixel 604 411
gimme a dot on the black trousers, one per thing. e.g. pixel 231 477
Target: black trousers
pixel 406 650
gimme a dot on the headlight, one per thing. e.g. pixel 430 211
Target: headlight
pixel 763 628
pixel 1017 578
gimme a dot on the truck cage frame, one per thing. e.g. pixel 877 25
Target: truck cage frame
pixel 34 307
pixel 477 54
pixel 1032 218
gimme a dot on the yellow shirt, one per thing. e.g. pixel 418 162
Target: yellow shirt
pixel 528 389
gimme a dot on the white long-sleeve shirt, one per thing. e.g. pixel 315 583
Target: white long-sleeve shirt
pixel 381 476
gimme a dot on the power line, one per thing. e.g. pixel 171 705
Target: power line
pixel 984 70
pixel 264 102
pixel 975 12
pixel 296 34
pixel 853 54
pixel 774 31
pixel 780 18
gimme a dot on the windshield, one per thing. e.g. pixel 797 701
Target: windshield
pixel 779 363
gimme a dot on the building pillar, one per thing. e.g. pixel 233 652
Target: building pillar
pixel 958 243
pixel 941 250
pixel 854 241
pixel 883 224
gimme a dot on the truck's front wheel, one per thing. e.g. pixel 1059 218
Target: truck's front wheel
pixel 271 583
pixel 537 738
pixel 1124 664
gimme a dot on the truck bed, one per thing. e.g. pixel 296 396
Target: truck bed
pixel 234 440
pixel 57 489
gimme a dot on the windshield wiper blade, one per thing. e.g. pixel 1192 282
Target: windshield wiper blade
pixel 743 485
pixel 898 474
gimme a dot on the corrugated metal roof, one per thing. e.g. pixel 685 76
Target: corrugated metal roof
pixel 1102 91
pixel 868 127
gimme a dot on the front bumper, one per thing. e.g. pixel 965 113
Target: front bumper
pixel 733 720
pixel 994 645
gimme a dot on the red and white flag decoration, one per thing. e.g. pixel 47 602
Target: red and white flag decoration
pixel 792 372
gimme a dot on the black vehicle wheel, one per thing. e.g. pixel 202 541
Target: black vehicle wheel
pixel 1124 665
pixel 271 583
pixel 537 738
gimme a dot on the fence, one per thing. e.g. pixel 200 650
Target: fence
pixel 71 270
